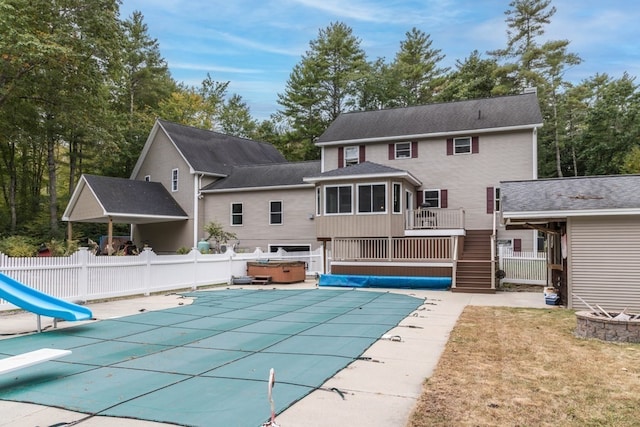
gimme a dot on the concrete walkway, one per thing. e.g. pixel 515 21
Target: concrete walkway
pixel 378 391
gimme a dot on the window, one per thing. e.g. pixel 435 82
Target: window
pixel 351 156
pixel 403 150
pixel 174 180
pixel 318 201
pixel 236 214
pixel 493 200
pixel 462 145
pixel 497 199
pixel 372 198
pixel 431 198
pixel 275 212
pixel 147 178
pixel 397 198
pixel 338 200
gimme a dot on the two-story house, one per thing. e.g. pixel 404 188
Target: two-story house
pixel 414 191
pixel 186 177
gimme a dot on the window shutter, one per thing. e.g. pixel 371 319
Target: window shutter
pixel 475 144
pixel 420 198
pixel 340 157
pixel 392 151
pixel 444 199
pixel 490 200
pixel 449 146
pixel 414 149
pixel 517 245
pixel 361 156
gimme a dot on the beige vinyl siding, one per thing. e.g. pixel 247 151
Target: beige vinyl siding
pixel 297 227
pixel 604 262
pixel 502 157
pixel 86 207
pixel 165 237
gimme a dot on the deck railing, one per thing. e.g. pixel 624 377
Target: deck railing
pixel 392 249
pixel 435 219
pixel 85 277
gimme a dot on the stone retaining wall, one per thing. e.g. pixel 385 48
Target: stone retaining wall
pixel 603 328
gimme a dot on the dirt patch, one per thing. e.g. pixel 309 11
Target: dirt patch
pixel 519 367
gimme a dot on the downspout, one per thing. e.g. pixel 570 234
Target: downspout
pixel 197 180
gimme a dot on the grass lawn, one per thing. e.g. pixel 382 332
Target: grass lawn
pixel 524 367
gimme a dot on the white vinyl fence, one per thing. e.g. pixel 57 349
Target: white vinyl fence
pixel 85 277
pixel 522 267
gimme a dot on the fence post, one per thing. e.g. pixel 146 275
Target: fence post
pixel 147 270
pixel 83 275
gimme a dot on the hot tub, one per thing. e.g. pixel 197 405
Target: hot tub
pixel 279 271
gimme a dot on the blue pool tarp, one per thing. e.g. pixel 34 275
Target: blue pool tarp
pixel 393 282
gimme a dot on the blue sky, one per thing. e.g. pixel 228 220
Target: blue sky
pixel 256 44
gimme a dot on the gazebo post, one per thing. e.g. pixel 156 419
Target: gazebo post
pixel 69 234
pixel 110 237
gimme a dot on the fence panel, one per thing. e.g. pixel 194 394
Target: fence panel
pixel 84 276
pixel 523 267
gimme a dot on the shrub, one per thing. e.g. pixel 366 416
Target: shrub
pixel 18 246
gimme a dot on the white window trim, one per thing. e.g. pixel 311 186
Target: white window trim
pixel 232 214
pixel 395 150
pixel 325 200
pixel 356 157
pixel 281 212
pixel 318 201
pixel 424 199
pixel 147 178
pixel 175 175
pixel 455 153
pixel 497 203
pixel 386 198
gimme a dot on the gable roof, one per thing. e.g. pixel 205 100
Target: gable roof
pixel 124 200
pixel 364 170
pixel 212 153
pixel 513 112
pixel 564 197
pixel 265 176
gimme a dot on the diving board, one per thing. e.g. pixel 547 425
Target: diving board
pixel 31 358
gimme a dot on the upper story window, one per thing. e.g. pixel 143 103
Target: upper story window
pixel 431 198
pixel 351 156
pixel 372 198
pixel 462 145
pixel 236 214
pixel 497 199
pixel 318 201
pixel 338 199
pixel 174 180
pixel 147 178
pixel 275 212
pixel 403 150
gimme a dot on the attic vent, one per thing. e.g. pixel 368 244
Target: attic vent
pixel 530 90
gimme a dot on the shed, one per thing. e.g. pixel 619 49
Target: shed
pixel 592 230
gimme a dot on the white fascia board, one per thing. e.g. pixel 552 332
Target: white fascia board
pixel 246 189
pixel 128 215
pixel 569 213
pixel 406 175
pixel 428 135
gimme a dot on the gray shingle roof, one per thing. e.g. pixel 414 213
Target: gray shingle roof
pixel 282 174
pixel 505 111
pixel 133 198
pixel 217 153
pixel 363 169
pixel 571 194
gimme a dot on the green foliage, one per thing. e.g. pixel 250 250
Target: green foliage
pixel 183 250
pixel 18 246
pixel 216 232
pixel 631 162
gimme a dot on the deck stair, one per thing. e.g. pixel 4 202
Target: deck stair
pixel 474 266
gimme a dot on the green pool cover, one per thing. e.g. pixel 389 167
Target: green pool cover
pixel 207 363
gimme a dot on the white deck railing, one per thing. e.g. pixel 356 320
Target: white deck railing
pixel 84 277
pixel 436 219
pixel 392 249
pixel 522 267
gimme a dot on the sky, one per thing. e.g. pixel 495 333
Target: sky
pixel 254 44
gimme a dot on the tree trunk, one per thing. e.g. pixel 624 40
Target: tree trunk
pixel 51 165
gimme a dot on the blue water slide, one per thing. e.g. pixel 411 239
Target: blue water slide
pixel 40 303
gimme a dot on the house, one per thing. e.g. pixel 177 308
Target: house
pixel 414 191
pixel 186 177
pixel 592 229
